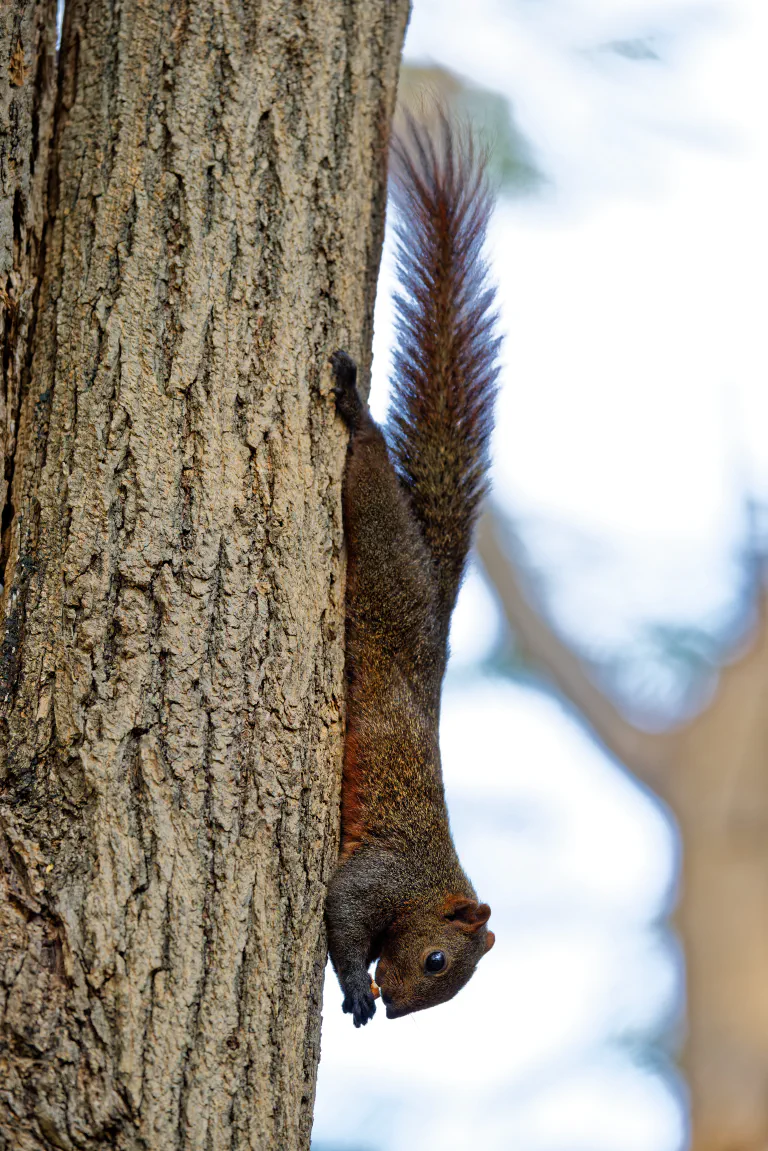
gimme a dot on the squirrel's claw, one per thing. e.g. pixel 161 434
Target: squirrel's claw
pixel 360 1005
pixel 348 402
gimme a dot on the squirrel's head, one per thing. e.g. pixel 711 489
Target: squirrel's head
pixel 431 952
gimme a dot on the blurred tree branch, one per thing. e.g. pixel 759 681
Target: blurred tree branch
pixel 647 753
pixel 713 772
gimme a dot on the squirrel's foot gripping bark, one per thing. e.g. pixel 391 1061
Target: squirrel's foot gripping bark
pixel 348 402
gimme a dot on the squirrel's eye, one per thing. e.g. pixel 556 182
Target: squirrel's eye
pixel 435 962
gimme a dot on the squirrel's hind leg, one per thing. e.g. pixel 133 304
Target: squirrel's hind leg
pixel 390 586
pixel 348 403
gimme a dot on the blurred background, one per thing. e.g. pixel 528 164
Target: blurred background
pixel 605 718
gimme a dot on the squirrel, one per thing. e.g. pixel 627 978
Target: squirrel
pixel 399 893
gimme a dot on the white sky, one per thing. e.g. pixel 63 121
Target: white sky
pixel 633 421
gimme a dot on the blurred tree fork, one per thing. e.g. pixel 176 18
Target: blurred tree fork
pixel 191 215
pixel 713 773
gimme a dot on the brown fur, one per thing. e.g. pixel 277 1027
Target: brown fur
pixel 400 893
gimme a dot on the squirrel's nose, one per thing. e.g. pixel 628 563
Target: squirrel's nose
pixel 387 1000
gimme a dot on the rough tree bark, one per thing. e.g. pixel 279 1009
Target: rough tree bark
pixel 171 678
pixel 713 773
pixel 27 89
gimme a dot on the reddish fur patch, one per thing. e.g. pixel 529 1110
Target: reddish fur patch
pixel 352 813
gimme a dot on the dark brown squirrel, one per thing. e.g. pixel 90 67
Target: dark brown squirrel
pixel 399 894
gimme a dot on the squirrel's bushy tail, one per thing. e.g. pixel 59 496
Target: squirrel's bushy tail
pixel 445 367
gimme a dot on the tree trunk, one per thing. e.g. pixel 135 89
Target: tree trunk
pixel 719 792
pixel 171 681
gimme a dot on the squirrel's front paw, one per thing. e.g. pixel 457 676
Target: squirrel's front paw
pixel 360 1004
pixel 348 402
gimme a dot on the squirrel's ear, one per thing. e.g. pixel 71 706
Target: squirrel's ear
pixel 490 939
pixel 467 913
